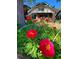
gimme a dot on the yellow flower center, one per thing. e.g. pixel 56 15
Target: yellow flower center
pixel 48 47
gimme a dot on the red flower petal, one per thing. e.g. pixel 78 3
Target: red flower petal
pixel 47 19
pixel 47 48
pixel 31 33
pixel 28 17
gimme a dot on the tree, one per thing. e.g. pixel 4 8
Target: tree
pixel 20 13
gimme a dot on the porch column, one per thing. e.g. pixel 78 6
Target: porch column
pixel 53 17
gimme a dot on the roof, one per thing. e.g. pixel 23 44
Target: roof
pixel 45 4
pixel 26 6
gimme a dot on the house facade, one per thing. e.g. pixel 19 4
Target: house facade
pixel 43 10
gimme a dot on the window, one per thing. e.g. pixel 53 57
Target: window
pixel 41 9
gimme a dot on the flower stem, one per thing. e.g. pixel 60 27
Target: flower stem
pixel 56 36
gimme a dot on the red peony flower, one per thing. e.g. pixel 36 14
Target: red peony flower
pixel 28 17
pixel 47 48
pixel 46 19
pixel 31 33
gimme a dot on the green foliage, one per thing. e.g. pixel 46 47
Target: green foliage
pixel 58 50
pixel 30 46
pixel 31 1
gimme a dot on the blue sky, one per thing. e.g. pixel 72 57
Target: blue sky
pixel 50 2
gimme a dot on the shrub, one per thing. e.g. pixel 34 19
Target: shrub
pixel 29 44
